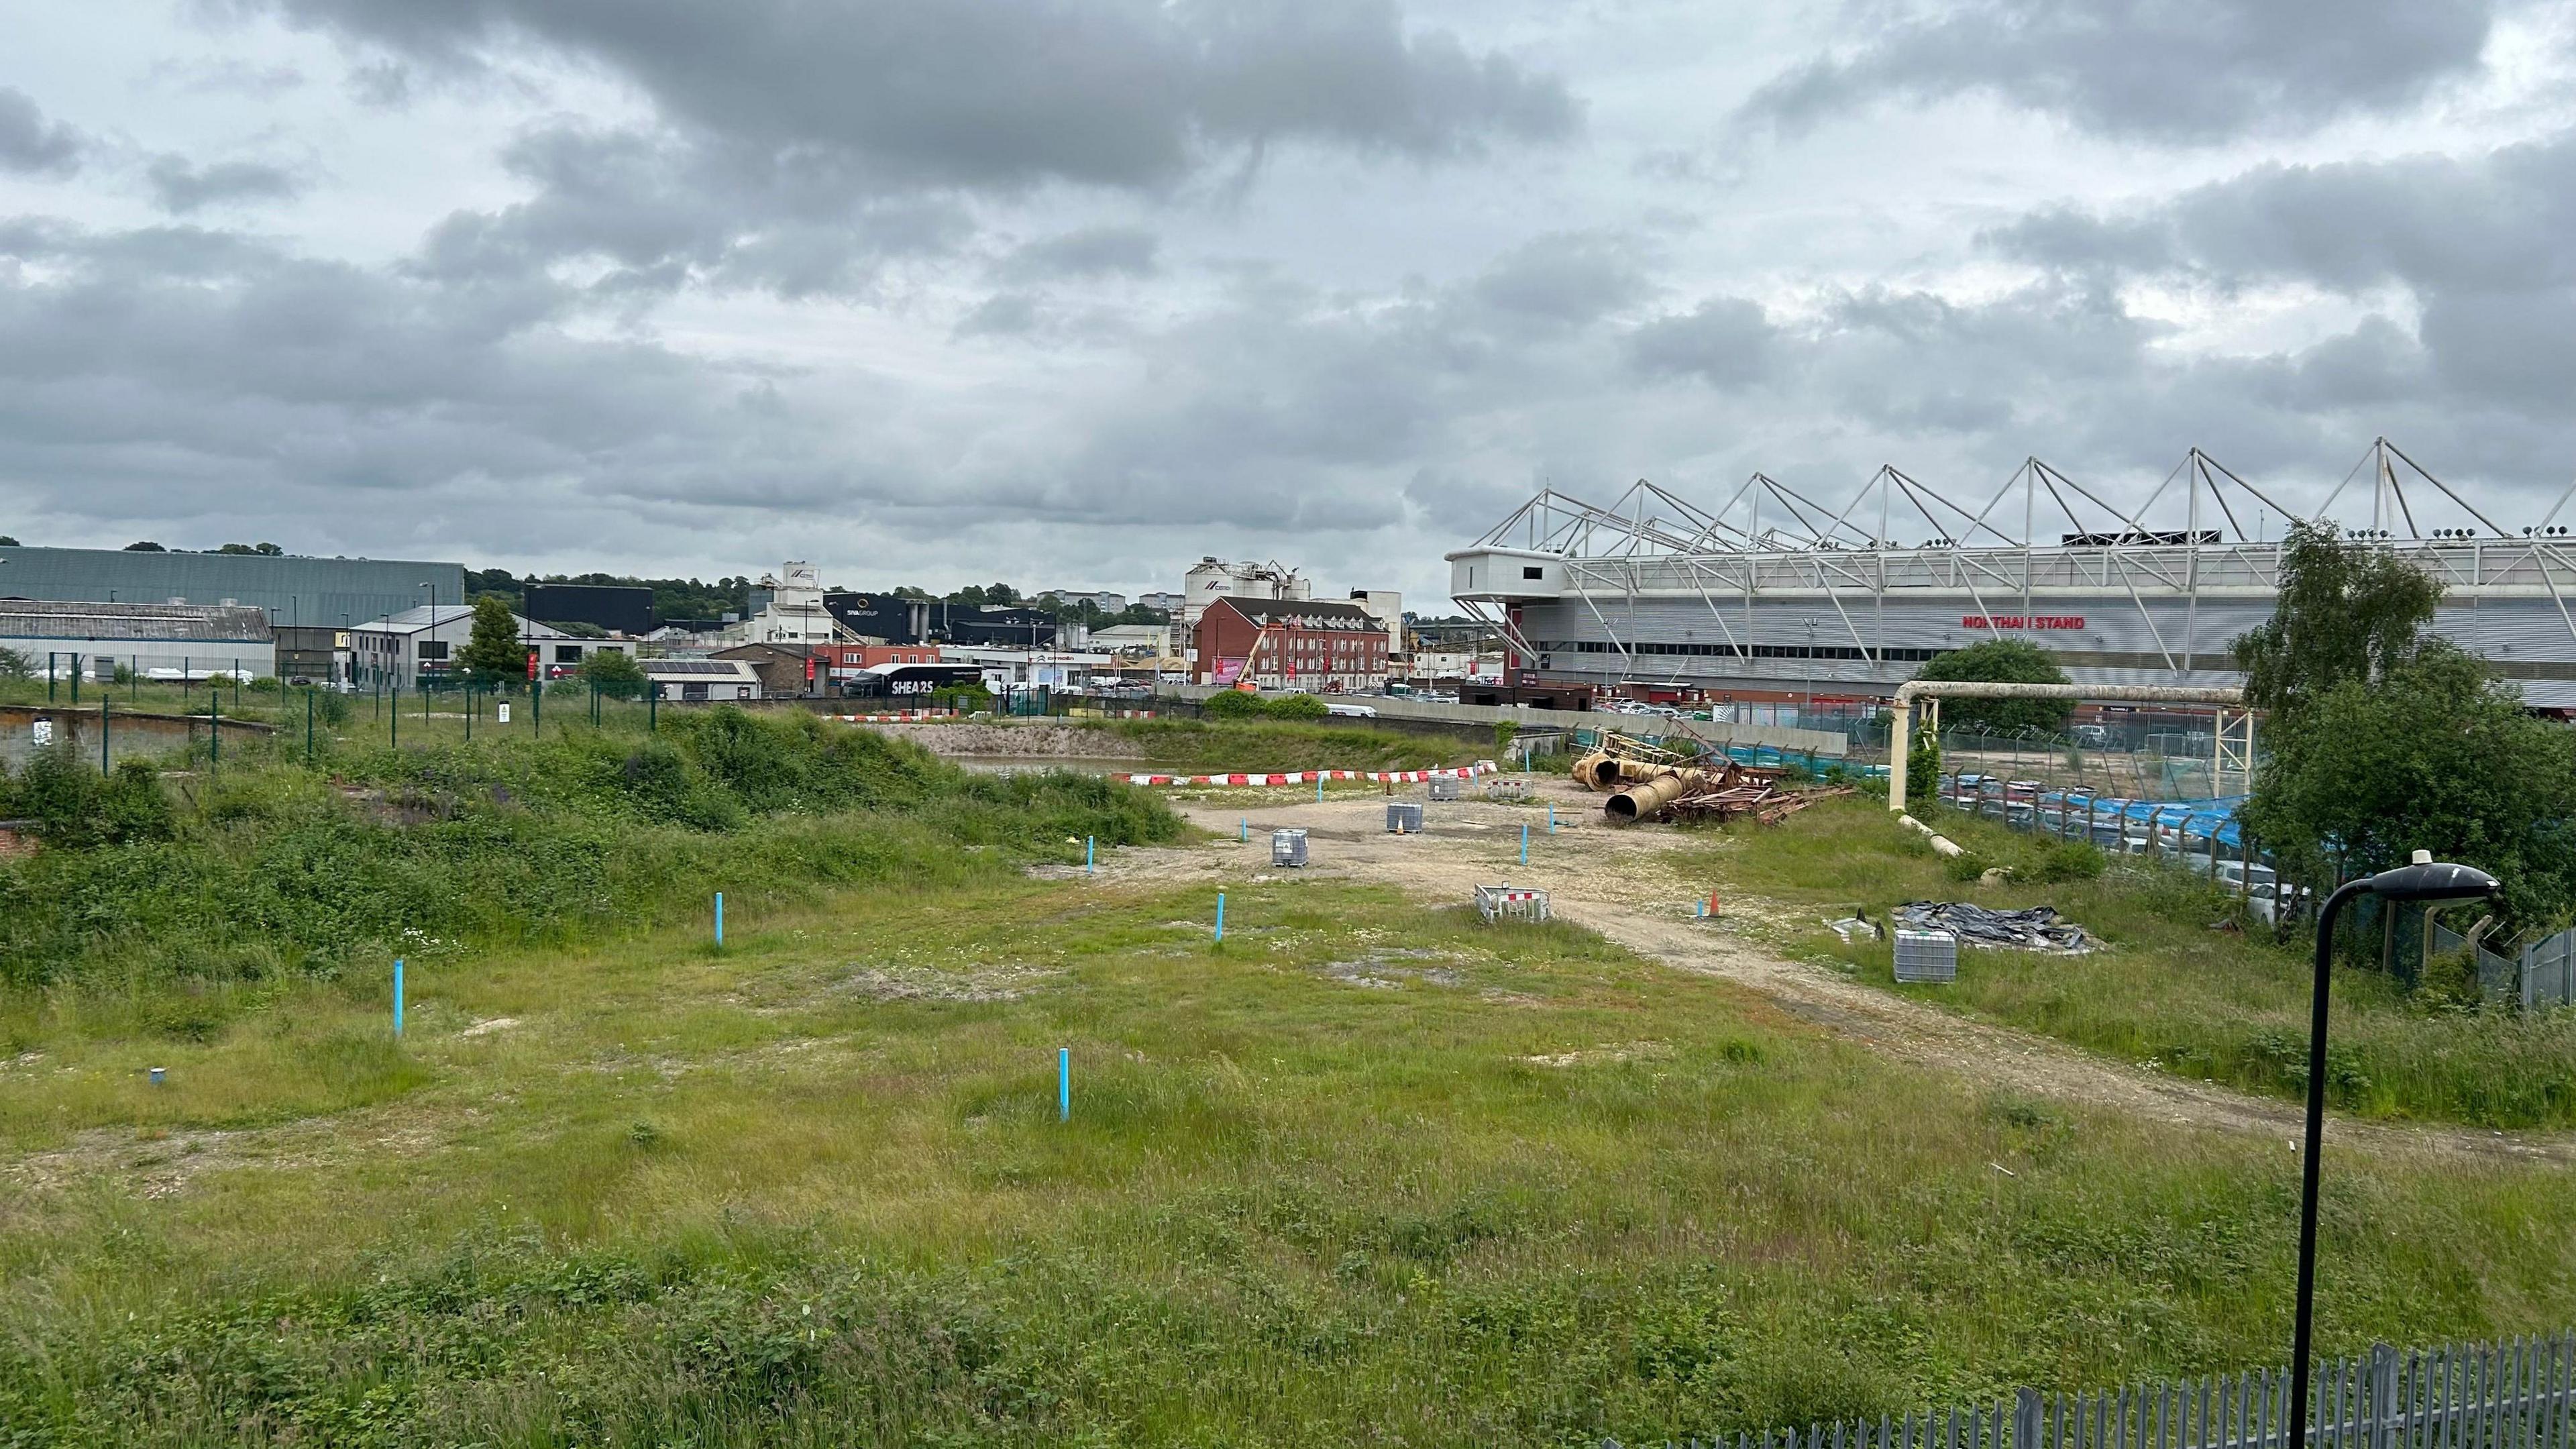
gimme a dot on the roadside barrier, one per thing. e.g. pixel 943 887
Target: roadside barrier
pixel 1317 777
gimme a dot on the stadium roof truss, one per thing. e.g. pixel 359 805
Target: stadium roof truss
pixel 1770 540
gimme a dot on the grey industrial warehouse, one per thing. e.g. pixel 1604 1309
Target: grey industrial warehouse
pixel 1773 592
pixel 294 591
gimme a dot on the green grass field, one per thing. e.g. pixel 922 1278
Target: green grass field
pixel 1368 1172
pixel 2170 991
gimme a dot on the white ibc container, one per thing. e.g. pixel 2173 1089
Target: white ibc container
pixel 1926 956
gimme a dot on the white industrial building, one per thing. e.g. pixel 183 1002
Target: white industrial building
pixel 1772 591
pixel 790 611
pixel 1212 579
pixel 425 641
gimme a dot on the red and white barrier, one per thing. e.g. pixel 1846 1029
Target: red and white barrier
pixel 1309 777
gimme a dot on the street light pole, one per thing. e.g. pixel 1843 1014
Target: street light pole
pixel 2423 880
pixel 1810 622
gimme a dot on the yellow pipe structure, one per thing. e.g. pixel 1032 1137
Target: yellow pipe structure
pixel 1644 800
pixel 1584 767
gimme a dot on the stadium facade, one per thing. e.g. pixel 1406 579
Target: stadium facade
pixel 1773 593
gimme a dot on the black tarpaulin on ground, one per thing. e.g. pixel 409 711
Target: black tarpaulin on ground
pixel 2040 928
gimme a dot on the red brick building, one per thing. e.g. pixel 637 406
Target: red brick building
pixel 1317 644
pixel 851 658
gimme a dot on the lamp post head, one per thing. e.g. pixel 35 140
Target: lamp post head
pixel 2426 879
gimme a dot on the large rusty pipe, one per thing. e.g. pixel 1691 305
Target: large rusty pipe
pixel 1610 772
pixel 1584 767
pixel 1647 799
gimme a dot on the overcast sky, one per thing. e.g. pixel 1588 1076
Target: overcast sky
pixel 940 291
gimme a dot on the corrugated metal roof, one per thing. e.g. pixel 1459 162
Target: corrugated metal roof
pixel 80 619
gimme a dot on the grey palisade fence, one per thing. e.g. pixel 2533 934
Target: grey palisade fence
pixel 2517 1394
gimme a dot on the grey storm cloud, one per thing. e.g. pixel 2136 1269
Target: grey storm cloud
pixel 28 144
pixel 179 186
pixel 2166 70
pixel 799 145
pixel 2497 221
pixel 1564 278
pixel 2479 242
pixel 985 93
pixel 1724 341
pixel 313 379
pixel 1098 251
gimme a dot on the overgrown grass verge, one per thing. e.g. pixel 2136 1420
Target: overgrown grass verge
pixel 2169 991
pixel 276 870
pixel 1365 1173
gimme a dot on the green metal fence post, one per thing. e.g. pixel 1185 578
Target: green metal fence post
pixel 652 708
pixel 308 724
pixel 49 676
pixel 102 734
pixel 215 733
pixel 76 661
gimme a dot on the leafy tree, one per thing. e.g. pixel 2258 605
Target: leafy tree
pixel 614 674
pixel 2427 753
pixel 2347 611
pixel 1998 661
pixel 1923 770
pixel 7 542
pixel 145 546
pixel 261 550
pixel 15 663
pixel 493 652
pixel 2384 741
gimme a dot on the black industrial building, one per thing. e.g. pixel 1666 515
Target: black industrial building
pixel 882 617
pixel 617 608
pixel 993 624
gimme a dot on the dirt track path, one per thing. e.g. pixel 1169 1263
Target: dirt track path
pixel 1619 882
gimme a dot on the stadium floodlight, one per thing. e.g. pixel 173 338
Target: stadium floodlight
pixel 2423 880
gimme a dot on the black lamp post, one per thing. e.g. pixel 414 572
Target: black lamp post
pixel 2424 880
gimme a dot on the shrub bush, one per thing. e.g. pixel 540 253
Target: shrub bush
pixel 509 839
pixel 1233 704
pixel 1297 707
pixel 2058 861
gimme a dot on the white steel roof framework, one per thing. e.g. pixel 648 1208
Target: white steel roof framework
pixel 1769 540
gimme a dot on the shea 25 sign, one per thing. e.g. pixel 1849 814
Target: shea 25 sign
pixel 2022 621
